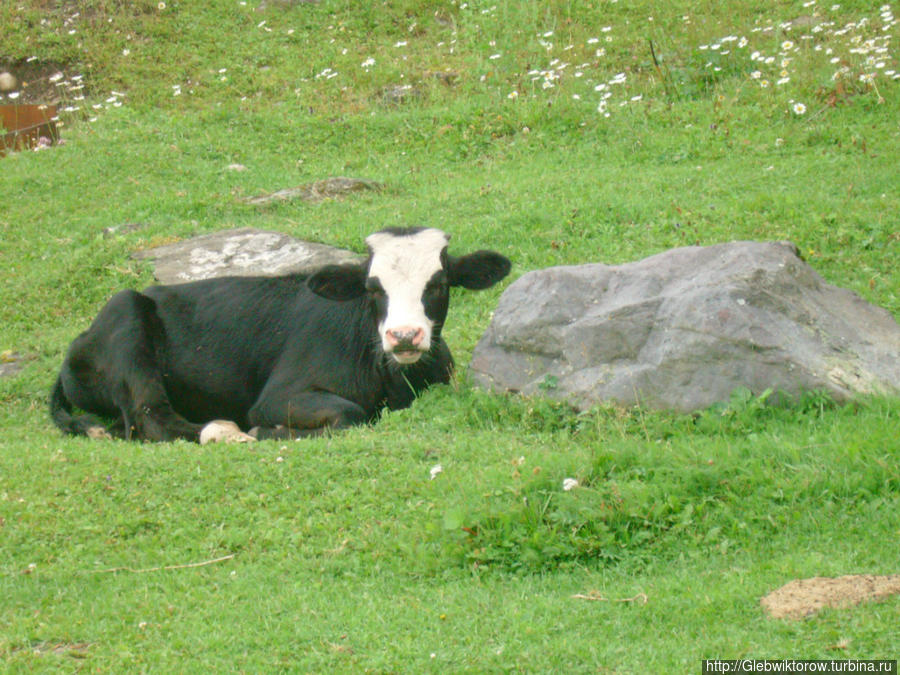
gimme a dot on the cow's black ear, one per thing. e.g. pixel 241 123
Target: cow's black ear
pixel 338 282
pixel 478 270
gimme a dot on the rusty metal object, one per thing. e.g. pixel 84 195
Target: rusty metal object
pixel 26 125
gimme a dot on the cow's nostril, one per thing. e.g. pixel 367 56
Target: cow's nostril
pixel 406 336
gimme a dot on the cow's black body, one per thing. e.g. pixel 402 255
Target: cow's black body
pixel 266 353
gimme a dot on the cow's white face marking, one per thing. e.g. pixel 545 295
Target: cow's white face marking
pixel 403 264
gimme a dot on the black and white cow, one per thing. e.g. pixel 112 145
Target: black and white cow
pixel 238 358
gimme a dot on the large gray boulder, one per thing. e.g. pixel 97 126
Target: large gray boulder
pixel 684 329
pixel 242 252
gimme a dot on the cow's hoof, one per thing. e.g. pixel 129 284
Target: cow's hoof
pixel 220 431
pixel 98 433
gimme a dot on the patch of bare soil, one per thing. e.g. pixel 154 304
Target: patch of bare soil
pixel 803 597
pixel 39 82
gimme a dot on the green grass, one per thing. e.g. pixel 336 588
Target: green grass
pixel 347 555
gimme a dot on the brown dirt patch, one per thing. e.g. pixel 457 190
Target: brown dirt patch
pixel 803 597
pixel 42 82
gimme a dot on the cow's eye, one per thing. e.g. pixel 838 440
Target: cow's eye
pixel 436 288
pixel 375 291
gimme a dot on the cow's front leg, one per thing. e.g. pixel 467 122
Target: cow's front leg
pixel 308 413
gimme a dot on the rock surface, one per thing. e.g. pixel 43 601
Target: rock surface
pixel 400 93
pixel 684 329
pixel 242 252
pixel 11 363
pixel 328 188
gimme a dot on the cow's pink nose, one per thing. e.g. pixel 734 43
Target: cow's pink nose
pixel 406 336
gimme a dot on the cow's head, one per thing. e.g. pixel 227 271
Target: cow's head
pixel 407 280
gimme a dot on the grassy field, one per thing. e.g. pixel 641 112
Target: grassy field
pixel 555 133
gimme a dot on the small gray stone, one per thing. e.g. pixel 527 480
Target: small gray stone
pixel 11 363
pixel 683 329
pixel 242 252
pixel 124 228
pixel 399 93
pixel 283 4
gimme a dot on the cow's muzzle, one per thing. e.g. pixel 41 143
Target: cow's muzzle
pixel 406 343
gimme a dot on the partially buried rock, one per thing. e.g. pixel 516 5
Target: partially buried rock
pixel 284 4
pixel 124 228
pixel 11 363
pixel 329 188
pixel 399 93
pixel 242 252
pixel 684 329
